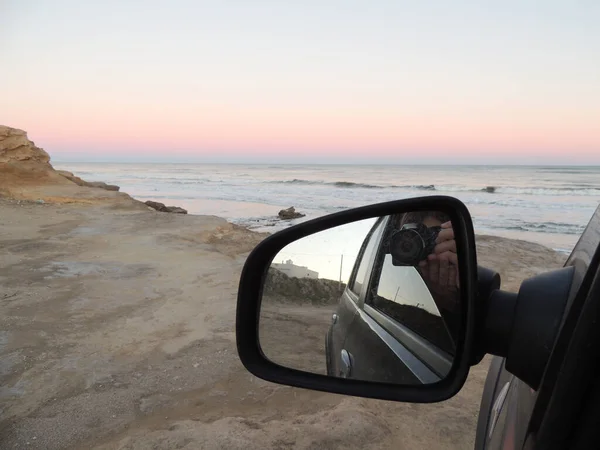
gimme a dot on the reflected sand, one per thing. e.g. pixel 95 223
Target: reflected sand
pixel 294 335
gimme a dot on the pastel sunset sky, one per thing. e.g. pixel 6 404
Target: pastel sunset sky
pixel 307 81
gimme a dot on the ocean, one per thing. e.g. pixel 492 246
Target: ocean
pixel 549 205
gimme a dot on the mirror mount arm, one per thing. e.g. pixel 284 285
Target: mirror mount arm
pixel 488 282
pixel 498 322
pixel 521 327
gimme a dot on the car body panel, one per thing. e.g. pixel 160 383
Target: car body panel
pixel 510 431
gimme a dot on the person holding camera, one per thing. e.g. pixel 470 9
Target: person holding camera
pixel 439 268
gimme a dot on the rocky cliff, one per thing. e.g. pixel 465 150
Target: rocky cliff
pixel 26 174
pixel 22 164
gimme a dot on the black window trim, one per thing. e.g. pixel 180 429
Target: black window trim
pixel 353 296
pixel 359 259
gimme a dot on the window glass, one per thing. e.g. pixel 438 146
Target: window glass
pixel 400 293
pixel 365 257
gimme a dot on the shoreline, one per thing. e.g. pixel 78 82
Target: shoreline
pixel 274 221
pixel 550 211
pixel 125 201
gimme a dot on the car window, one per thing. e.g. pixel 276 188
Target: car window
pixel 400 293
pixel 365 257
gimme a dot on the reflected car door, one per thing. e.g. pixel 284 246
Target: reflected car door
pixel 338 363
pixel 393 339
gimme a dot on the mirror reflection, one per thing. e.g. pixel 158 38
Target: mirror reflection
pixel 375 300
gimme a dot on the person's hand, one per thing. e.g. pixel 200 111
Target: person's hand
pixel 440 269
pixel 445 250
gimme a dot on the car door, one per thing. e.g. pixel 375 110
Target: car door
pixel 398 334
pixel 507 402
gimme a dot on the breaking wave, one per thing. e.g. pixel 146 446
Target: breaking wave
pixel 351 184
pixel 548 191
pixel 543 227
pixel 533 190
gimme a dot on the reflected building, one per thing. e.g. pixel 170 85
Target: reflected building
pixel 291 270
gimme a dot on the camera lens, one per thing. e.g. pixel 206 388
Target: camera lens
pixel 406 246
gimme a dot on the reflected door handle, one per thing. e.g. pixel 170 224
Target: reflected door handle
pixel 346 364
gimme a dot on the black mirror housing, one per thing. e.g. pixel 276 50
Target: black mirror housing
pixel 257 266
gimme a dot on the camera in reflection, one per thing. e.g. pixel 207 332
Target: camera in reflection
pixel 412 243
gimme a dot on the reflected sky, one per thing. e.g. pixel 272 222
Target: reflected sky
pixel 328 251
pixel 404 285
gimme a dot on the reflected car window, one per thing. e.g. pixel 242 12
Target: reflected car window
pixel 365 257
pixel 400 293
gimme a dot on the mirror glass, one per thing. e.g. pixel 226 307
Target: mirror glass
pixel 375 300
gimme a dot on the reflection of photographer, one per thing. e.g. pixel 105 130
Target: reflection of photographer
pixel 425 240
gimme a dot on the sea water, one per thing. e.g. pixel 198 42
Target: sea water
pixel 548 205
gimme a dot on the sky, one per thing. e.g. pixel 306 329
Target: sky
pixel 438 82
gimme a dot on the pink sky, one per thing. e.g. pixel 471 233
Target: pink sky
pixel 396 82
pixel 338 133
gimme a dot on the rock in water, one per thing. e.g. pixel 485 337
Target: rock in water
pixel 290 213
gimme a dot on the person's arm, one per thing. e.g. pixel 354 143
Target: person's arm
pixel 440 270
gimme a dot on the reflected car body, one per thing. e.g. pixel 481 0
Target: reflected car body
pixel 387 327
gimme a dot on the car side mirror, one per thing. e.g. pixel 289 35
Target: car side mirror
pixel 375 302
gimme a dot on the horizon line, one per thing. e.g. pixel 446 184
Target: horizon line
pixel 233 163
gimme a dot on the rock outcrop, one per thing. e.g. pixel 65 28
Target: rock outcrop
pixel 75 179
pixel 16 147
pixel 80 182
pixel 103 185
pixel 289 214
pixel 26 174
pixel 23 164
pixel 163 208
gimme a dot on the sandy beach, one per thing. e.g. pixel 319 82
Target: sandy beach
pixel 118 333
